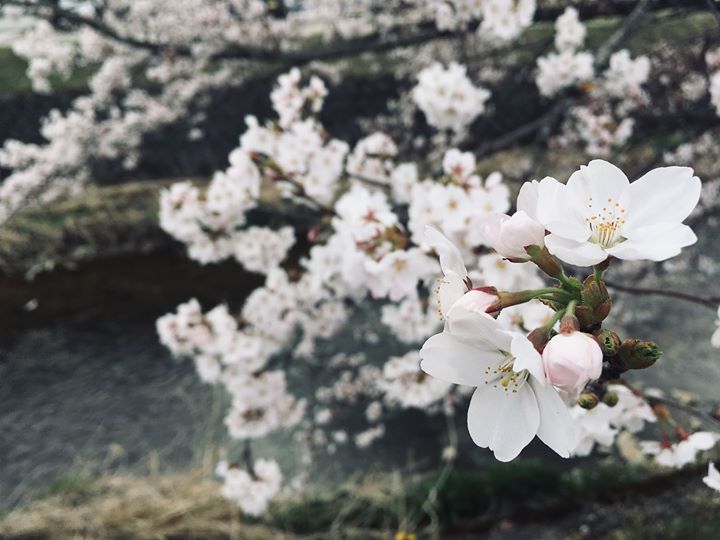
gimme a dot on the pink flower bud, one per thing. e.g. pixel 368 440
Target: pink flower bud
pixel 572 360
pixel 510 235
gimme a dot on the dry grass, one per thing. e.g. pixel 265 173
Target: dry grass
pixel 181 506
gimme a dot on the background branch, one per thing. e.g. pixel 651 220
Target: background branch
pixel 709 301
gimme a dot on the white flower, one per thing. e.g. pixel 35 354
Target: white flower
pixel 560 70
pixel 459 165
pixel 715 91
pixel 396 275
pixel 572 360
pixel 712 479
pixel 599 213
pixel 625 76
pixel 405 384
pixel 447 96
pixel 512 402
pixel 510 235
pixel 681 453
pixel 455 282
pixel 251 492
pixel 715 339
pixel 601 424
pixel 507 276
pixel 569 31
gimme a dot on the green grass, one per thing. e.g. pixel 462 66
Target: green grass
pixel 12 72
pixel 530 487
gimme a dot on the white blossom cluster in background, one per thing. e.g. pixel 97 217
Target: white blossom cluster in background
pixel 448 98
pixel 601 425
pixel 501 19
pixel 601 120
pixel 369 242
pixel 157 62
pixel 365 249
pixel 567 66
pixel 251 490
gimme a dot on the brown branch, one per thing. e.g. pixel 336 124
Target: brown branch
pixel 689 409
pixel 375 42
pixel 712 302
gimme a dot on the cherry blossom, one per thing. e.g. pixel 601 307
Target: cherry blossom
pixel 683 452
pixel 513 401
pixel 599 213
pixel 712 480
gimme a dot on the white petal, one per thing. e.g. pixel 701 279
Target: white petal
pixel 557 428
pixel 526 357
pixel 713 472
pixel 503 422
pixel 663 195
pixel 598 180
pixel 527 199
pixel 703 440
pixel 448 291
pixel 480 329
pixel 450 257
pixel 654 243
pixel 519 419
pixel 550 201
pixel 561 211
pixel 577 253
pixel 483 417
pixel 452 360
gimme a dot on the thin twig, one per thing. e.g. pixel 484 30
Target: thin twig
pixel 621 33
pixel 694 411
pixel 523 131
pixel 710 301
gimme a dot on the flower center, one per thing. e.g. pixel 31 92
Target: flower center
pixel 605 222
pixel 502 375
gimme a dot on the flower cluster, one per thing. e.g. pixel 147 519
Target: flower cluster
pixel 448 98
pixel 536 358
pixel 523 380
pixel 368 242
pixel 567 66
pixel 501 19
pixel 251 490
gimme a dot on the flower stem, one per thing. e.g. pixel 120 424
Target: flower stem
pixel 567 283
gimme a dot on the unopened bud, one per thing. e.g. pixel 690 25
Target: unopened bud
pixel 596 303
pixel 588 400
pixel 611 399
pixel 609 342
pixel 637 354
pixel 569 324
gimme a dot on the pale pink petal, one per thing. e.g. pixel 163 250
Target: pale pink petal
pixel 577 253
pixel 452 360
pixel 655 242
pixel 526 357
pixel 480 329
pixel 663 195
pixel 557 428
pixel 518 422
pixel 450 257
